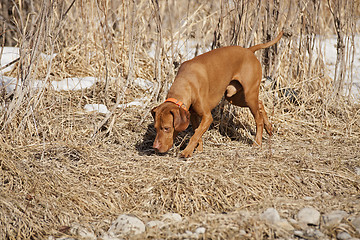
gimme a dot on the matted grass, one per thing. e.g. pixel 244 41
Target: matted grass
pixel 60 166
pixel 48 186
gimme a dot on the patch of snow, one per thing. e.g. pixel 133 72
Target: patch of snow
pixel 9 83
pixel 9 54
pixel 131 104
pixel 48 57
pixel 144 84
pixel 75 83
pixel 135 103
pixel 330 54
pixel 101 108
pixel 185 48
pixel 67 84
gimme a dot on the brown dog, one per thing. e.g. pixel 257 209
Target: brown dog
pixel 198 88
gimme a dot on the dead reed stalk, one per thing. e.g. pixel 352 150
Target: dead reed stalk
pixel 60 165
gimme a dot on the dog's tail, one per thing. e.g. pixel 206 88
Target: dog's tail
pixel 266 45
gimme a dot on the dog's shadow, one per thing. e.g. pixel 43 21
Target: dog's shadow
pixel 230 127
pixel 144 147
pixel 227 127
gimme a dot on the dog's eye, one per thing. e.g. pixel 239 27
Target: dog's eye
pixel 166 129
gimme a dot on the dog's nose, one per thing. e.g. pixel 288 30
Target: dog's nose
pixel 156 145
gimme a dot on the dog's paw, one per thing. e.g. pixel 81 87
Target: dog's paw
pixel 257 145
pixel 199 147
pixel 186 153
pixel 269 129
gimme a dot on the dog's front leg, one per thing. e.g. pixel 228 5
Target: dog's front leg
pixel 206 120
pixel 195 122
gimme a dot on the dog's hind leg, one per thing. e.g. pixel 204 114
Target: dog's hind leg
pixel 267 124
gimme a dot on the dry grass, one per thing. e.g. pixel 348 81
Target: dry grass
pixel 55 172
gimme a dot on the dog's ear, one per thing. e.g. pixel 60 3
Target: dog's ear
pixel 181 119
pixel 153 111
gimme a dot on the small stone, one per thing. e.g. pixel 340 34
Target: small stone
pixel 126 224
pixel 293 221
pixel 310 232
pixel 242 232
pixel 271 215
pixel 85 234
pixel 308 198
pixel 357 170
pixel 309 215
pixel 318 234
pixel 356 223
pixel 107 236
pixel 155 224
pixel 298 233
pixel 334 218
pixel 200 230
pixel 78 230
pixel 343 236
pixel 284 224
pixel 325 195
pixel 172 217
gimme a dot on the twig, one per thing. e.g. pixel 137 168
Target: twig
pixel 9 64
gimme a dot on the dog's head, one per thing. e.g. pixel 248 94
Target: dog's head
pixel 169 120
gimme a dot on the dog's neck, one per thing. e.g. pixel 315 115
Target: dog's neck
pixel 181 91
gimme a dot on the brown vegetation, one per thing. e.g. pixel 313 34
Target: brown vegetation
pixel 59 165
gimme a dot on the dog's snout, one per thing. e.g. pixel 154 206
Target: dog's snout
pixel 156 144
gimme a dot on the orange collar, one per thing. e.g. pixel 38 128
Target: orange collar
pixel 177 102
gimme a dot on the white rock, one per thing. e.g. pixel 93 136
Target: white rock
pixel 155 224
pixel 318 234
pixel 325 195
pixel 299 233
pixel 271 215
pixel 307 198
pixel 334 217
pixel 242 232
pixel 107 236
pixel 310 232
pixel 200 230
pixel 172 217
pixel 309 215
pixel 86 234
pixel 126 224
pixel 357 170
pixel 101 108
pixel 343 236
pixel 81 231
pixel 356 224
